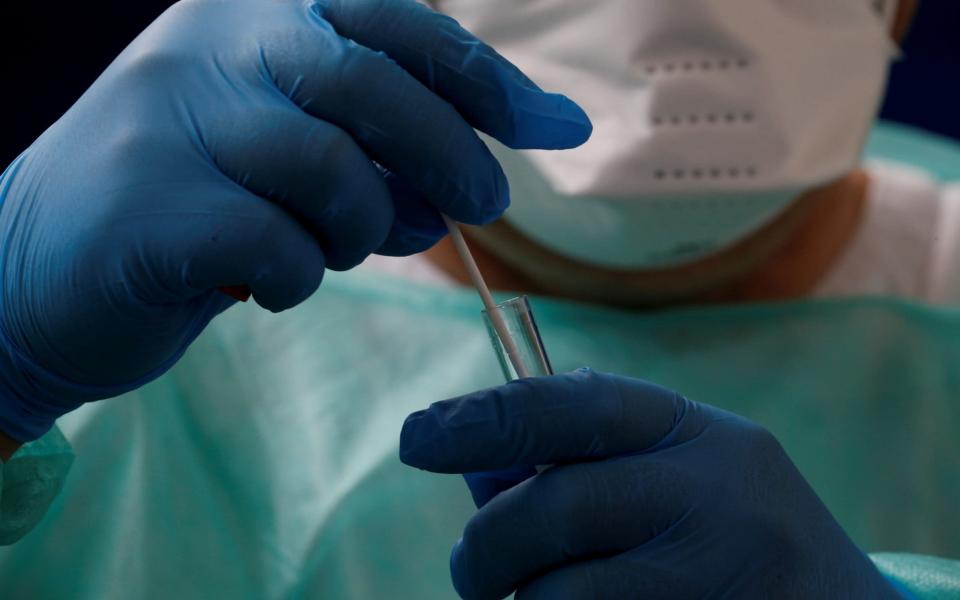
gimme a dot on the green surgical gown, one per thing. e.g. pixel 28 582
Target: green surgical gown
pixel 264 465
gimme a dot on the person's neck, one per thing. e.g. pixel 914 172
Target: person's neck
pixel 785 260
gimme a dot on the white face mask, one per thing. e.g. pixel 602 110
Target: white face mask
pixel 710 116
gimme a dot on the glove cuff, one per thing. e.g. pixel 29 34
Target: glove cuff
pixel 29 482
pixel 920 577
pixel 31 398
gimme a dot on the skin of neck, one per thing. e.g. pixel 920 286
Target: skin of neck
pixel 784 260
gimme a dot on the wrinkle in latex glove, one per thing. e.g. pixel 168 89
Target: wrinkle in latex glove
pixel 653 496
pixel 253 144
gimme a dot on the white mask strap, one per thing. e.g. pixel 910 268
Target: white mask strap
pixel 887 9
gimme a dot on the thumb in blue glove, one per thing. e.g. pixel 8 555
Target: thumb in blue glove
pixel 249 143
pixel 652 496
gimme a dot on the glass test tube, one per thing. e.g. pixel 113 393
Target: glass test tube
pixel 522 328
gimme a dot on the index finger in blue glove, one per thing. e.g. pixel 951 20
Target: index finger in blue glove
pixel 571 417
pixel 634 574
pixel 417 225
pixel 488 90
pixel 568 513
pixel 394 118
pixel 315 171
pixel 234 237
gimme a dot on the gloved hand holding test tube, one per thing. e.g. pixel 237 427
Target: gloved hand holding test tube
pixel 521 353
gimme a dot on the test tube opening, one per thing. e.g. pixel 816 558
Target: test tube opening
pixel 525 335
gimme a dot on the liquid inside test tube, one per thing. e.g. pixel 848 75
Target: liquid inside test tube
pixel 522 328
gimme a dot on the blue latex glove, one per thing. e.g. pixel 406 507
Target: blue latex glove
pixel 254 143
pixel 653 496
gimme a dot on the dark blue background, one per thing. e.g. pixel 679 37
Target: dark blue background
pixel 925 85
